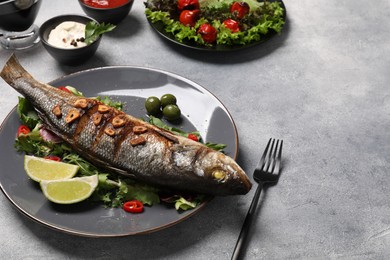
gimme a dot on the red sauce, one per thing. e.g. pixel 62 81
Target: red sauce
pixel 105 3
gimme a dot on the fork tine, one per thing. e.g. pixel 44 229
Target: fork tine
pixel 271 157
pixel 279 158
pixel 262 159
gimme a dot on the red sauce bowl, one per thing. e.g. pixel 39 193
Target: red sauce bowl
pixel 113 13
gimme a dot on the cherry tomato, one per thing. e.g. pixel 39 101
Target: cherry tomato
pixel 133 206
pixel 189 17
pixel 53 158
pixel 234 26
pixel 188 4
pixel 64 89
pixel 23 129
pixel 193 137
pixel 240 9
pixel 208 32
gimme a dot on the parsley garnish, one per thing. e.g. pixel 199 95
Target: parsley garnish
pixel 93 30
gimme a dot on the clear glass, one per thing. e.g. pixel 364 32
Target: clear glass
pixel 17 28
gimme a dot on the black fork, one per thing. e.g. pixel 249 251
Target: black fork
pixel 267 171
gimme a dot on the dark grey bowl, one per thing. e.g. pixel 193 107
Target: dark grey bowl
pixel 108 15
pixel 18 18
pixel 67 56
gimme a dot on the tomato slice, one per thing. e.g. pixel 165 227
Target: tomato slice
pixel 53 158
pixel 133 206
pixel 64 89
pixel 193 137
pixel 23 129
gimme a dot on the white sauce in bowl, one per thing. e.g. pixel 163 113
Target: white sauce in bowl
pixel 68 35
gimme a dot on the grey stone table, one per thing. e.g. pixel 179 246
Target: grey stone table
pixel 322 86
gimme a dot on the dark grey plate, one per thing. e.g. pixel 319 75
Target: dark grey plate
pixel 159 27
pixel 201 110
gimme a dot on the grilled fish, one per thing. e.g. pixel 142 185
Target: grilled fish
pixel 126 145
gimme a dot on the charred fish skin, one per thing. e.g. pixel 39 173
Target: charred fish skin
pixel 126 145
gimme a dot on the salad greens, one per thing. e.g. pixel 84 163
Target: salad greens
pixel 113 190
pixel 225 4
pixel 26 113
pixel 157 122
pixel 264 16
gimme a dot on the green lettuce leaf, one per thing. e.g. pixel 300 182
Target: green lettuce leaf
pixel 142 192
pixel 26 113
pixel 74 91
pixel 184 204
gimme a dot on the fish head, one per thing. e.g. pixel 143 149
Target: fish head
pixel 225 174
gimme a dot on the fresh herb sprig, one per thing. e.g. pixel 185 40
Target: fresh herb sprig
pixel 93 30
pixel 157 122
pixel 109 102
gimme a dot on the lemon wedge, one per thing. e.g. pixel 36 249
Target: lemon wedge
pixel 71 190
pixel 40 169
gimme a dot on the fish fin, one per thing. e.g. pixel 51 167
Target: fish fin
pixel 120 171
pixel 167 135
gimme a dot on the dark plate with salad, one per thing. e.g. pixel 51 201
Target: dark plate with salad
pixel 202 113
pixel 216 25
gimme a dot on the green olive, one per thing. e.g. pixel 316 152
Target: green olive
pixel 168 99
pixel 171 112
pixel 152 105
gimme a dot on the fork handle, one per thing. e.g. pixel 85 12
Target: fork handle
pixel 247 223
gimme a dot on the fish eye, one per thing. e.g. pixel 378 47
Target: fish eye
pixel 219 175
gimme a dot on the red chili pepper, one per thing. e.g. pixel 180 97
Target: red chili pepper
pixel 208 32
pixel 53 158
pixel 64 89
pixel 133 206
pixel 240 9
pixel 234 26
pixel 23 129
pixel 193 137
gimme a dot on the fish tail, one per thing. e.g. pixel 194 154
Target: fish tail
pixel 13 71
pixel 23 82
